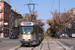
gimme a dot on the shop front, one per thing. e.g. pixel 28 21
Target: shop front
pixel 6 31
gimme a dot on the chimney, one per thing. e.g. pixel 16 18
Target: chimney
pixel 14 9
pixel 8 1
pixel 18 12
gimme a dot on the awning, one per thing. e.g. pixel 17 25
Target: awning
pixel 6 28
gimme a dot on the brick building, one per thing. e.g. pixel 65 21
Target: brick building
pixel 5 10
pixel 7 15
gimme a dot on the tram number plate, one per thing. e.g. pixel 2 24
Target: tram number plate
pixel 26 43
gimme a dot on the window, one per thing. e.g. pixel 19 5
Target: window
pixel 0 15
pixel 5 16
pixel 12 17
pixel 5 8
pixel 12 23
pixel 0 24
pixel 0 7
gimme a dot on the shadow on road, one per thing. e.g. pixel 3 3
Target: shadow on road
pixel 31 45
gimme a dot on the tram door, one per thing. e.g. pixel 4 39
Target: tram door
pixel 37 34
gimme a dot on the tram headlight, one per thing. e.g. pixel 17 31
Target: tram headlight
pixel 23 39
pixel 29 39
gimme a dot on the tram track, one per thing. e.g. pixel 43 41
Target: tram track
pixel 60 45
pixel 48 44
pixel 41 46
pixel 17 48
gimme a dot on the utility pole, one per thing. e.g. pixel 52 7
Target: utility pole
pixel 59 19
pixel 31 11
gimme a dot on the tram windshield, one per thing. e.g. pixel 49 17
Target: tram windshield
pixel 27 30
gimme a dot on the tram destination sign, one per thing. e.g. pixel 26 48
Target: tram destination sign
pixel 26 23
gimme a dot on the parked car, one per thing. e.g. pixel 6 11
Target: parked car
pixel 64 35
pixel 13 36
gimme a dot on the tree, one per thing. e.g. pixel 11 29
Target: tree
pixel 27 18
pixel 61 20
pixel 40 23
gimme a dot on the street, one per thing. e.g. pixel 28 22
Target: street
pixel 6 43
pixel 50 44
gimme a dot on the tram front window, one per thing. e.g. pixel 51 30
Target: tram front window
pixel 27 30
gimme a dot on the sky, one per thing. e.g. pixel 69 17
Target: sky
pixel 43 8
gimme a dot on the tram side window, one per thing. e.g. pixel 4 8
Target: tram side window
pixel 35 29
pixel 38 29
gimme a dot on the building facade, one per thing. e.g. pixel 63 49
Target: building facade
pixel 15 15
pixel 5 10
pixel 8 19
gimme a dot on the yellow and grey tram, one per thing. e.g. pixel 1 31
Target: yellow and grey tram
pixel 31 33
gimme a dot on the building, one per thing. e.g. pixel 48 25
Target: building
pixel 8 19
pixel 15 15
pixel 5 10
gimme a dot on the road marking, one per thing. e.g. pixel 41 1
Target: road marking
pixel 63 46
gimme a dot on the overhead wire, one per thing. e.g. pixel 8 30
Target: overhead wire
pixel 52 5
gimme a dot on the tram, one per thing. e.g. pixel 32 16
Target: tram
pixel 31 33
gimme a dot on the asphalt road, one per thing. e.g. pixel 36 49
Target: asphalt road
pixel 14 44
pixel 6 43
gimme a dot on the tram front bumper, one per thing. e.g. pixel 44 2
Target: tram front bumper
pixel 26 41
pixel 29 42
